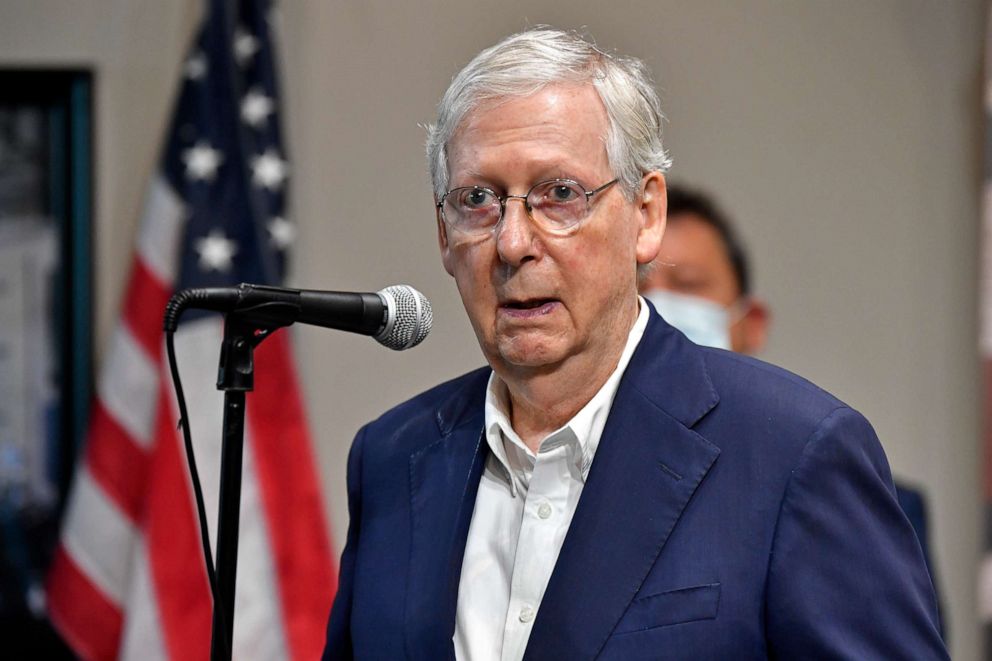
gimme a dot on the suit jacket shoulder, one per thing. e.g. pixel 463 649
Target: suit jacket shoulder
pixel 422 419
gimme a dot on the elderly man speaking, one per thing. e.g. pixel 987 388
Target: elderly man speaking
pixel 605 488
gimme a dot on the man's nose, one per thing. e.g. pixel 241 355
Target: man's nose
pixel 516 240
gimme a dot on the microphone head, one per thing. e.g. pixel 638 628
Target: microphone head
pixel 408 317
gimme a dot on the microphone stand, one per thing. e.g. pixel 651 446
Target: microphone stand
pixel 252 313
pixel 235 377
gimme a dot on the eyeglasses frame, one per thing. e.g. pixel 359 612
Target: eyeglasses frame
pixel 504 198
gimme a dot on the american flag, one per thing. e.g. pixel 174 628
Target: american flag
pixel 128 580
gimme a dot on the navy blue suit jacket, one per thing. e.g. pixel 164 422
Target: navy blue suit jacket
pixel 733 511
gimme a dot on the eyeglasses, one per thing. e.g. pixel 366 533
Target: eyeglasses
pixel 556 206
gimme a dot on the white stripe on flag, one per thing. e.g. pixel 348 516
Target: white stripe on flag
pixel 128 387
pixel 98 537
pixel 161 229
pixel 198 352
pixel 142 637
pixel 258 621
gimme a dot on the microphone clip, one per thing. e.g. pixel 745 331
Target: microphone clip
pixel 242 333
pixel 266 307
pixel 251 314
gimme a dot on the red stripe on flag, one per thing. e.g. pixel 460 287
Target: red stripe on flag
pixel 144 308
pixel 85 617
pixel 117 463
pixel 291 495
pixel 175 553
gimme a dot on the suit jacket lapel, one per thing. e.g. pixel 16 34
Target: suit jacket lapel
pixel 444 481
pixel 647 467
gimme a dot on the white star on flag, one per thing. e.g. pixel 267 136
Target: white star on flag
pixel 245 46
pixel 268 170
pixel 282 231
pixel 216 251
pixel 202 161
pixel 195 67
pixel 256 107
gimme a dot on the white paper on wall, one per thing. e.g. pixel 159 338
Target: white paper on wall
pixel 28 388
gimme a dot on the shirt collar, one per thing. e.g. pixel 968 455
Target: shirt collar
pixel 584 429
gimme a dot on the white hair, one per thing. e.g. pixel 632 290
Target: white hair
pixel 523 64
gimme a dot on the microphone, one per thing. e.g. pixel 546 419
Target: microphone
pixel 398 316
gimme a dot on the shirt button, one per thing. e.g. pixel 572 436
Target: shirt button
pixel 526 614
pixel 544 511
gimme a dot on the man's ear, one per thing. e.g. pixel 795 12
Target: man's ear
pixel 653 202
pixel 754 325
pixel 442 241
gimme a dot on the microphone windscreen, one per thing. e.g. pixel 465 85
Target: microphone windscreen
pixel 409 317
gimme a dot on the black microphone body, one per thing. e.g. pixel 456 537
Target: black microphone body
pixel 280 306
pixel 398 317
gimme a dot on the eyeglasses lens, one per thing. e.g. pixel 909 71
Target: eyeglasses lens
pixel 555 205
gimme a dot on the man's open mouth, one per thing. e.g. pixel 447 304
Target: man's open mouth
pixel 529 304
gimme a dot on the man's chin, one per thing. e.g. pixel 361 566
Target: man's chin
pixel 529 353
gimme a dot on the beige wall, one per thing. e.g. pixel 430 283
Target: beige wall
pixel 845 136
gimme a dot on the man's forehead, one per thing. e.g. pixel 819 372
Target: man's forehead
pixel 568 116
pixel 697 234
pixel 575 99
pixel 692 243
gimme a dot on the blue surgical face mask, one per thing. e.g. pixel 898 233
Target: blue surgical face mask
pixel 703 321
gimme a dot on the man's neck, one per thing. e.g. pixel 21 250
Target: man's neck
pixel 542 401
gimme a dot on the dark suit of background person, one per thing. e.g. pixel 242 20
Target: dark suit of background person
pixel 704 263
pixel 732 510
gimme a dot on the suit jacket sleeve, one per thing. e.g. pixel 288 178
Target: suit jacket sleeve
pixel 339 645
pixel 846 577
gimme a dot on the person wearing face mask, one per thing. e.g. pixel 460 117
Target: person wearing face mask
pixel 701 284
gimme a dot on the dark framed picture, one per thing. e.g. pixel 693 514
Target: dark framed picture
pixel 45 326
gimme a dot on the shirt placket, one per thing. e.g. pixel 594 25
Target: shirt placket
pixel 532 563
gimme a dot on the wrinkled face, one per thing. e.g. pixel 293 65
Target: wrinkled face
pixel 539 301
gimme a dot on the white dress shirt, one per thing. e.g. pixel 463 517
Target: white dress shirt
pixel 522 513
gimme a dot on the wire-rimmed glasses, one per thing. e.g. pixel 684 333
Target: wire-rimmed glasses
pixel 556 206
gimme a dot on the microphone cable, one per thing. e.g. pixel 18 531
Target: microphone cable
pixel 201 510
